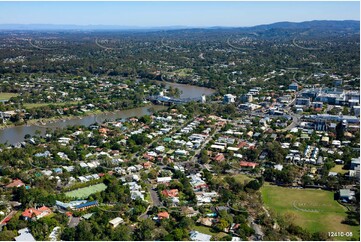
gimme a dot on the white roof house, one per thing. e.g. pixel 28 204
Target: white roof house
pixel 25 235
pixel 116 221
pixel 278 167
pixel 136 194
pixel 164 179
pixel 218 147
pixel 160 148
pixel 181 152
pixel 197 236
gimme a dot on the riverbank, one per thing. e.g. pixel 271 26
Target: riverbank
pixel 46 121
pixel 204 89
pixel 15 134
pixel 12 134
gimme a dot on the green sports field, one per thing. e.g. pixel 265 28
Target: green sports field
pixel 83 193
pixel 313 210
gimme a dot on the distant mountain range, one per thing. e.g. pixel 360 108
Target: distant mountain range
pixel 82 27
pixel 315 24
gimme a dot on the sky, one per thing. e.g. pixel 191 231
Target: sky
pixel 159 14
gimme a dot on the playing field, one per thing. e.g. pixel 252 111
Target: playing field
pixel 313 210
pixel 83 193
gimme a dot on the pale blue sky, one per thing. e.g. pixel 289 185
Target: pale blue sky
pixel 153 14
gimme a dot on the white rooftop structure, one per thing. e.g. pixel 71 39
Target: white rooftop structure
pixel 25 235
pixel 116 221
pixel 198 236
pixel 278 167
pixel 160 148
pixel 164 179
pixel 54 234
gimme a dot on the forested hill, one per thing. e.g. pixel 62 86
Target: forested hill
pixel 352 25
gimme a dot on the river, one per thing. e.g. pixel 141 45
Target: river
pixel 16 134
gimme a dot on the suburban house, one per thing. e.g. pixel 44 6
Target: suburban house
pixel 164 179
pixel 31 213
pixel 346 194
pixel 25 235
pixel 245 164
pixel 147 165
pixel 85 206
pixel 293 86
pixel 116 221
pixel 197 236
pixel 15 183
pixel 170 193
pixel 219 157
pixel 163 215
pixel 189 211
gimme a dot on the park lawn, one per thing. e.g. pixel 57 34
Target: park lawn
pixel 36 105
pixel 313 210
pixel 147 197
pixel 243 178
pixel 83 193
pixel 7 95
pixel 338 169
pixel 184 72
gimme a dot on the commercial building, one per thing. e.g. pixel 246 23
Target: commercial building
pixel 229 98
pixel 293 86
pixel 303 101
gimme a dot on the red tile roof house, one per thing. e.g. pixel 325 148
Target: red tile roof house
pixel 248 164
pixel 133 120
pixel 15 183
pixel 219 157
pixel 103 130
pixel 163 215
pixel 147 165
pixel 242 144
pixel 148 157
pixel 31 213
pixel 170 193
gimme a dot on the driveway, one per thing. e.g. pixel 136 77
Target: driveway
pixel 155 198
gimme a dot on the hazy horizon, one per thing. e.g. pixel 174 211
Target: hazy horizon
pixel 168 14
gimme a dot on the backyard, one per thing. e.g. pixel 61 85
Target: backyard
pixel 7 95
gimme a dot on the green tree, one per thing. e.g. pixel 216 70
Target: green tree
pixel 254 185
pixel 146 119
pixel 122 233
pixel 146 230
pixel 340 131
pixel 222 224
pixel 7 235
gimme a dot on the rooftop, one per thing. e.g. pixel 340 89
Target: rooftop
pixel 25 235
